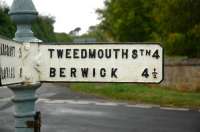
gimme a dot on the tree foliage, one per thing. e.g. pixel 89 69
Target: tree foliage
pixel 7 28
pixel 127 20
pixel 97 33
pixel 179 26
pixel 63 37
pixel 176 23
pixel 42 27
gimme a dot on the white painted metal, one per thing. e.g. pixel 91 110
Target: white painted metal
pixel 31 62
pixel 10 62
pixel 144 63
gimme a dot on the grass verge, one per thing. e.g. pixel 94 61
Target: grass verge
pixel 140 94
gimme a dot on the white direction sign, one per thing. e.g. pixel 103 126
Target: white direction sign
pixel 10 62
pixel 102 63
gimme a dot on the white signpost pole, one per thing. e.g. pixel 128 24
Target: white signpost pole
pixel 23 13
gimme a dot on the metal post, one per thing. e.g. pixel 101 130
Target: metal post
pixel 23 13
pixel 24 102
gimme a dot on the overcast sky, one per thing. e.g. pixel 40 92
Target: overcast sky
pixel 69 14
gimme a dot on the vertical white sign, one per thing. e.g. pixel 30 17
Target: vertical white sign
pixel 10 62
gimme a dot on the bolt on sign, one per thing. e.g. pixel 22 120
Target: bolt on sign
pixel 10 62
pixel 125 62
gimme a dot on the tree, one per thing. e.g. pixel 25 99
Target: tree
pixel 43 28
pixel 179 26
pixel 75 32
pixel 127 20
pixel 7 27
pixel 175 23
pixel 95 32
pixel 63 37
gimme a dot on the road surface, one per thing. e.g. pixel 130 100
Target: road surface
pixel 78 113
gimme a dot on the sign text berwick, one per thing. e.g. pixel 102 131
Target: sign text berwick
pixel 102 63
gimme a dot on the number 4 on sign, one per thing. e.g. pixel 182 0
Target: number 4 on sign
pixel 156 54
pixel 145 73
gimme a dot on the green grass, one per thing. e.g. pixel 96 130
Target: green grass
pixel 140 94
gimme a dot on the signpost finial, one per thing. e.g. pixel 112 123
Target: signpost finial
pixel 23 13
